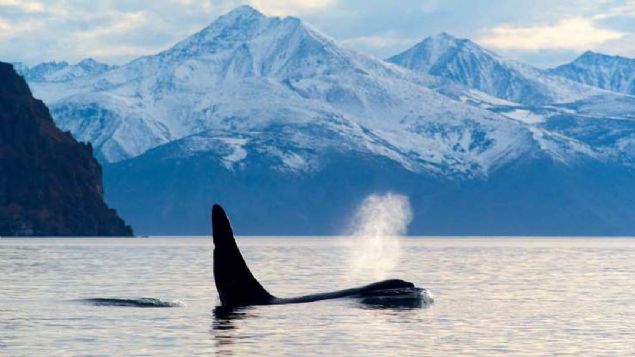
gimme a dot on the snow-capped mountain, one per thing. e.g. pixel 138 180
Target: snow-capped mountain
pixel 274 116
pixel 61 71
pixel 38 72
pixel 247 73
pixel 614 73
pixel 464 61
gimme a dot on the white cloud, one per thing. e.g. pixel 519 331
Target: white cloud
pixel 99 41
pixel 626 9
pixel 122 24
pixel 567 34
pixel 115 51
pixel 11 29
pixel 27 6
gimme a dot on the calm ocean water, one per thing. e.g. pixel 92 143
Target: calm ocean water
pixel 492 296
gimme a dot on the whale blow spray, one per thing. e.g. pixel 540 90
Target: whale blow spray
pixel 376 229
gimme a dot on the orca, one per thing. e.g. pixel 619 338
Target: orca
pixel 237 286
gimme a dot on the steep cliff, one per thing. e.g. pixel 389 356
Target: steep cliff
pixel 50 184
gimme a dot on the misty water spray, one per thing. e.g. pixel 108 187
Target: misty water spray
pixel 376 229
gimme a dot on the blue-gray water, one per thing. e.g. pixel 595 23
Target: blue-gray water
pixel 492 296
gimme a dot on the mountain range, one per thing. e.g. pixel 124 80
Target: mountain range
pixel 61 71
pixel 282 124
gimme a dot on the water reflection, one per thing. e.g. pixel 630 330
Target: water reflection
pixel 223 329
pixel 224 316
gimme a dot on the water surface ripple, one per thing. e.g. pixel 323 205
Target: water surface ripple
pixel 492 297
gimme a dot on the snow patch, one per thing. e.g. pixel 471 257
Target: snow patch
pixel 237 154
pixel 524 116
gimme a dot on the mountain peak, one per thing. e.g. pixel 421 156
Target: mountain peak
pixel 91 64
pixel 241 13
pixel 447 39
pixel 466 62
pixel 590 56
pixel 615 73
pixel 244 10
pixel 431 50
pixel 250 43
pixel 442 36
pixel 87 61
pixel 240 17
pixel 236 26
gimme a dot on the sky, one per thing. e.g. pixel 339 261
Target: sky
pixel 543 33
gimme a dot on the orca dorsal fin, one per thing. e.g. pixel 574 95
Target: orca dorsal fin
pixel 235 284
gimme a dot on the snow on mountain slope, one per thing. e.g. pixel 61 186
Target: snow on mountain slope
pixel 248 73
pixel 463 61
pixel 614 73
